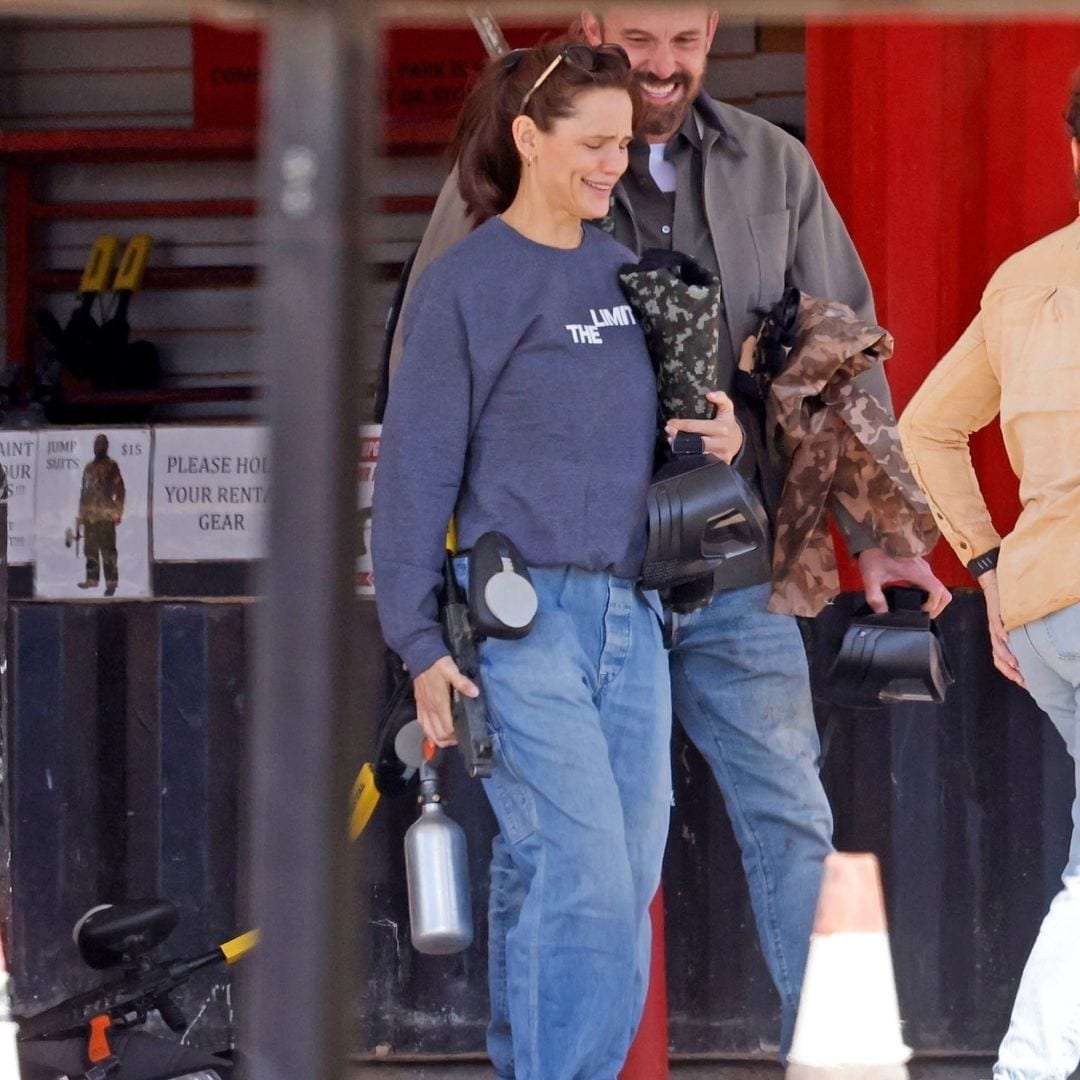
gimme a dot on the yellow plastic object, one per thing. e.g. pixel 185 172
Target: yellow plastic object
pixel 364 799
pixel 451 537
pixel 240 946
pixel 95 278
pixel 136 255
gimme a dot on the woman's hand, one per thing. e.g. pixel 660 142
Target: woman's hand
pixel 1004 660
pixel 721 436
pixel 432 690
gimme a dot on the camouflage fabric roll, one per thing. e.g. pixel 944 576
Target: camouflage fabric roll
pixel 677 303
pixel 841 447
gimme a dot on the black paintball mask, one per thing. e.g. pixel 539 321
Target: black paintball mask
pixel 703 517
pixel 891 657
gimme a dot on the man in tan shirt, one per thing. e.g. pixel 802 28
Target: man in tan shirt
pixel 1020 358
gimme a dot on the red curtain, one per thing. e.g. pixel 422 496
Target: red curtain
pixel 943 146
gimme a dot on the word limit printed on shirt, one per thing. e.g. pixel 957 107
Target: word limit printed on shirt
pixel 589 333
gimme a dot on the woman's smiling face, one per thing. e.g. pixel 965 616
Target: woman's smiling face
pixel 579 161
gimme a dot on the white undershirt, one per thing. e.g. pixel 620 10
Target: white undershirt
pixel 660 169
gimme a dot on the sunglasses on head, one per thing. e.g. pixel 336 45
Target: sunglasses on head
pixel 587 58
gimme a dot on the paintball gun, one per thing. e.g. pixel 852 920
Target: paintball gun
pixel 120 935
pixel 502 604
pixel 470 714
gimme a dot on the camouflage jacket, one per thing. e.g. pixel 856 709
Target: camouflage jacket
pixel 841 448
pixel 101 498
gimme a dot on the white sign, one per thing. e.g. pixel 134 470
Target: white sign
pixel 92 536
pixel 211 493
pixel 18 454
pixel 365 474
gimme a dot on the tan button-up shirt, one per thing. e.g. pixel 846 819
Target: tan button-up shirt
pixel 1020 358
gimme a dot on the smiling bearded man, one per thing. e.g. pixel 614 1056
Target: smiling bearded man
pixel 668 56
pixel 742 198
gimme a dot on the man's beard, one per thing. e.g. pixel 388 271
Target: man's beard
pixel 665 119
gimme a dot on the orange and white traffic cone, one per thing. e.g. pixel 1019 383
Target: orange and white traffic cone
pixel 848 1024
pixel 9 1056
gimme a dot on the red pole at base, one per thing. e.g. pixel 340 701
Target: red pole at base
pixel 648 1057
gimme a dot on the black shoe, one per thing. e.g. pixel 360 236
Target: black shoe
pixel 88 584
pixel 110 589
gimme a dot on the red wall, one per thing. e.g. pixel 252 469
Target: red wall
pixel 944 148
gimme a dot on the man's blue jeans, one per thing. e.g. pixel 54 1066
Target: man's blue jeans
pixel 1043 1040
pixel 741 689
pixel 580 714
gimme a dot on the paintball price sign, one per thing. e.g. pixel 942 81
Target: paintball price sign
pixel 365 474
pixel 211 489
pixel 18 455
pixel 91 528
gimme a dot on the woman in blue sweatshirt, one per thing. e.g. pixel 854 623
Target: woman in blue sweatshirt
pixel 526 403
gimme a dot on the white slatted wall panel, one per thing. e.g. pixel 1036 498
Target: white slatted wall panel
pixel 64 74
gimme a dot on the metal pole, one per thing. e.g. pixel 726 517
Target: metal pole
pixel 297 989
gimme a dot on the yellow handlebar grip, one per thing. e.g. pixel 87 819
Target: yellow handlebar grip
pixel 364 799
pixel 240 946
pixel 136 255
pixel 95 277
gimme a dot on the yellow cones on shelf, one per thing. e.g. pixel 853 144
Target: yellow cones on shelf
pixel 848 1025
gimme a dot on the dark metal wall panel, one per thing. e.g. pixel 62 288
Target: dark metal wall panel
pixel 185 823
pixel 967 806
pixel 127 726
pixel 54 793
pixel 127 732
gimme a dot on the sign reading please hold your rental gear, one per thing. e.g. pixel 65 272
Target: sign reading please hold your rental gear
pixel 211 493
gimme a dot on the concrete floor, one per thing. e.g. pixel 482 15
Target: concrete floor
pixel 936 1069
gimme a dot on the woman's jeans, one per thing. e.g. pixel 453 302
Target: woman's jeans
pixel 1043 1040
pixel 580 714
pixel 741 690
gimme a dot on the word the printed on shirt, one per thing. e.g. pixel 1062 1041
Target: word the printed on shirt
pixel 589 333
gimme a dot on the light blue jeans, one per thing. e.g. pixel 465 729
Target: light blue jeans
pixel 580 712
pixel 1043 1040
pixel 741 689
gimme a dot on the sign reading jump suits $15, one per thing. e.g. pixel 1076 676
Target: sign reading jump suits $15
pixel 90 516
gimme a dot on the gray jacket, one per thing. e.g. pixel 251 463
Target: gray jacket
pixel 772 222
pixel 772 225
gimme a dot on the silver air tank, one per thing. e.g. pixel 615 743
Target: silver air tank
pixel 437 873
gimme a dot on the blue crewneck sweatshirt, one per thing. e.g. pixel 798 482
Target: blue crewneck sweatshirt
pixel 525 402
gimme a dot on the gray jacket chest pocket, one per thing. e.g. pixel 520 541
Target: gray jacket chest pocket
pixel 770 236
